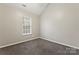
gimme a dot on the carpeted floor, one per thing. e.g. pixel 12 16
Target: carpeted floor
pixel 38 47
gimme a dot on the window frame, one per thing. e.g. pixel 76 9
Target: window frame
pixel 24 32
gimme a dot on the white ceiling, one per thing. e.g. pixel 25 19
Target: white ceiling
pixel 36 8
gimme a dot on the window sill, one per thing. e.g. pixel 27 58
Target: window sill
pixel 27 34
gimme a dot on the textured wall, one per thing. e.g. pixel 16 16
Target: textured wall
pixel 60 23
pixel 11 25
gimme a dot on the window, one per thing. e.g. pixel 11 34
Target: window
pixel 27 25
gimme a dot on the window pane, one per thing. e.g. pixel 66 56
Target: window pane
pixel 27 25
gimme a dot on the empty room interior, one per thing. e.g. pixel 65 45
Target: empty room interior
pixel 39 28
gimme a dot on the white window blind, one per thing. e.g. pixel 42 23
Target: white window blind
pixel 27 25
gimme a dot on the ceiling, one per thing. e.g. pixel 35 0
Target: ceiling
pixel 36 8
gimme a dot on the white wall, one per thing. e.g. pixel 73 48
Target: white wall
pixel 11 25
pixel 60 23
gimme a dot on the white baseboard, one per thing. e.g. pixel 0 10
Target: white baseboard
pixel 60 43
pixel 36 38
pixel 18 42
